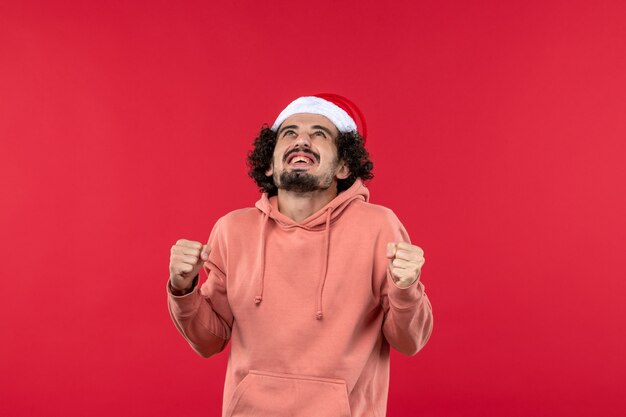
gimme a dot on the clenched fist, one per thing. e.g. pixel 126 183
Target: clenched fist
pixel 186 259
pixel 405 262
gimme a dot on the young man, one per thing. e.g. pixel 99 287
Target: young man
pixel 311 286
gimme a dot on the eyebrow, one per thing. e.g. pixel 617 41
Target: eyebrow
pixel 282 129
pixel 325 129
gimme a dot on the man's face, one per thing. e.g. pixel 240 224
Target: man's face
pixel 305 156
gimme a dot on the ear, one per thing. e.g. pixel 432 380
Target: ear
pixel 343 171
pixel 270 170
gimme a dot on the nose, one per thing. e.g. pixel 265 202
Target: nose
pixel 303 139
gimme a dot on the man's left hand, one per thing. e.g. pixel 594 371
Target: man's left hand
pixel 405 262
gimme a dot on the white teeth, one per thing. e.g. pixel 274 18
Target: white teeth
pixel 301 159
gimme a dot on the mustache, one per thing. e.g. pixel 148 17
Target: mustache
pixel 302 150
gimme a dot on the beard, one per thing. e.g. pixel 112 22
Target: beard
pixel 302 182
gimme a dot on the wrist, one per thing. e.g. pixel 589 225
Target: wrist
pixel 182 291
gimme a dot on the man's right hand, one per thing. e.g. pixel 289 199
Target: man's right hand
pixel 186 258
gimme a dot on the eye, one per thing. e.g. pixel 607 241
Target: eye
pixel 320 133
pixel 289 133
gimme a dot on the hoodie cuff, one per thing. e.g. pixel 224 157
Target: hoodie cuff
pixel 184 305
pixel 405 298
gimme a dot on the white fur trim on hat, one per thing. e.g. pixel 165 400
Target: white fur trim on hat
pixel 315 105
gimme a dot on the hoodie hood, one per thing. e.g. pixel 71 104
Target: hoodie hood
pixel 318 221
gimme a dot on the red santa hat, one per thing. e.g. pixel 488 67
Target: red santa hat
pixel 343 113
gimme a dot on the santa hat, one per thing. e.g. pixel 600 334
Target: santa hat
pixel 343 113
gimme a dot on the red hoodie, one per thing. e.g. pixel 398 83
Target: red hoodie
pixel 310 309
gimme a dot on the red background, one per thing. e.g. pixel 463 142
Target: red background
pixel 497 130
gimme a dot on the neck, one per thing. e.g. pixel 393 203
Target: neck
pixel 299 206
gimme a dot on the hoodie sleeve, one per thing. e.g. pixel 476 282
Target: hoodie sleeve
pixel 203 316
pixel 408 318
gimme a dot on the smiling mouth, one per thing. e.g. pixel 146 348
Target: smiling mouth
pixel 301 159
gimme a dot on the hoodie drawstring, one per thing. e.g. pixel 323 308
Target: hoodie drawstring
pixel 259 296
pixel 269 207
pixel 319 314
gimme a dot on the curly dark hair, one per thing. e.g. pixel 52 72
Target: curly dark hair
pixel 349 149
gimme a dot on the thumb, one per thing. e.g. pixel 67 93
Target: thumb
pixel 206 249
pixel 391 250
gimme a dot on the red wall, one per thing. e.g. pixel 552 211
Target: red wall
pixel 497 130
